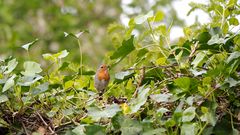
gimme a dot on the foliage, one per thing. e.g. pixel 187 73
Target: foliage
pixel 190 87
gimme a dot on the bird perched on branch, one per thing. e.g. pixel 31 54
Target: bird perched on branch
pixel 101 78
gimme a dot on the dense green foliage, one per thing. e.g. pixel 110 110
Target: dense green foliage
pixel 189 87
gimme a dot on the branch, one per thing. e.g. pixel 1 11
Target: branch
pixel 144 67
pixel 52 132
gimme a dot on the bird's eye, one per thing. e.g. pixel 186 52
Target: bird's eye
pixel 101 66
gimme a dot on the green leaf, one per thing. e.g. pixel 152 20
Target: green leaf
pixel 53 111
pixel 3 123
pixel 233 56
pixel 62 54
pixel 161 97
pixel 79 130
pixel 40 88
pixel 130 127
pixel 77 35
pixel 28 45
pixel 95 130
pixel 188 129
pixel 123 75
pixel 56 56
pixel 188 114
pixel 158 131
pixel 126 48
pixel 204 37
pixel 9 83
pixel 11 66
pixel 142 18
pixel 183 83
pixel 233 21
pixel 232 82
pixel 28 80
pixel 199 59
pixel 158 16
pixel 31 68
pixel 216 40
pixel 109 111
pixel 209 109
pixel 225 28
pixel 136 103
pixel 3 98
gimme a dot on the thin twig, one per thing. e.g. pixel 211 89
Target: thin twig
pixel 49 127
pixel 25 130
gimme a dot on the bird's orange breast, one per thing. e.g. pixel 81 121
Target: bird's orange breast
pixel 103 75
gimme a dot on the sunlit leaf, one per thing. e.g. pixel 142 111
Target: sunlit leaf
pixel 31 68
pixel 136 103
pixel 215 40
pixel 28 45
pixel 183 82
pixel 3 98
pixel 188 114
pixel 123 74
pixel 40 88
pixel 109 111
pixel 9 83
pixel 233 21
pixel 28 80
pixel 79 130
pixel 188 129
pixel 11 66
pixel 161 97
pixel 232 82
pixel 199 59
pixel 233 56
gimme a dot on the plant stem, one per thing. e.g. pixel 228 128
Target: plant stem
pixel 80 51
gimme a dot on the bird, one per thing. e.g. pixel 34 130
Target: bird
pixel 101 78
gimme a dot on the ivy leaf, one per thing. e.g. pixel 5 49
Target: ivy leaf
pixel 232 82
pixel 109 111
pixel 183 82
pixel 40 88
pixel 11 66
pixel 130 127
pixel 28 80
pixel 3 98
pixel 136 103
pixel 188 114
pixel 28 45
pixel 233 21
pixel 9 83
pixel 199 59
pixel 95 130
pixel 204 37
pixel 188 129
pixel 215 40
pixel 233 56
pixel 31 68
pixel 126 48
pixel 161 97
pixel 123 75
pixel 79 130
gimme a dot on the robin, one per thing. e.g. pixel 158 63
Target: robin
pixel 101 78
